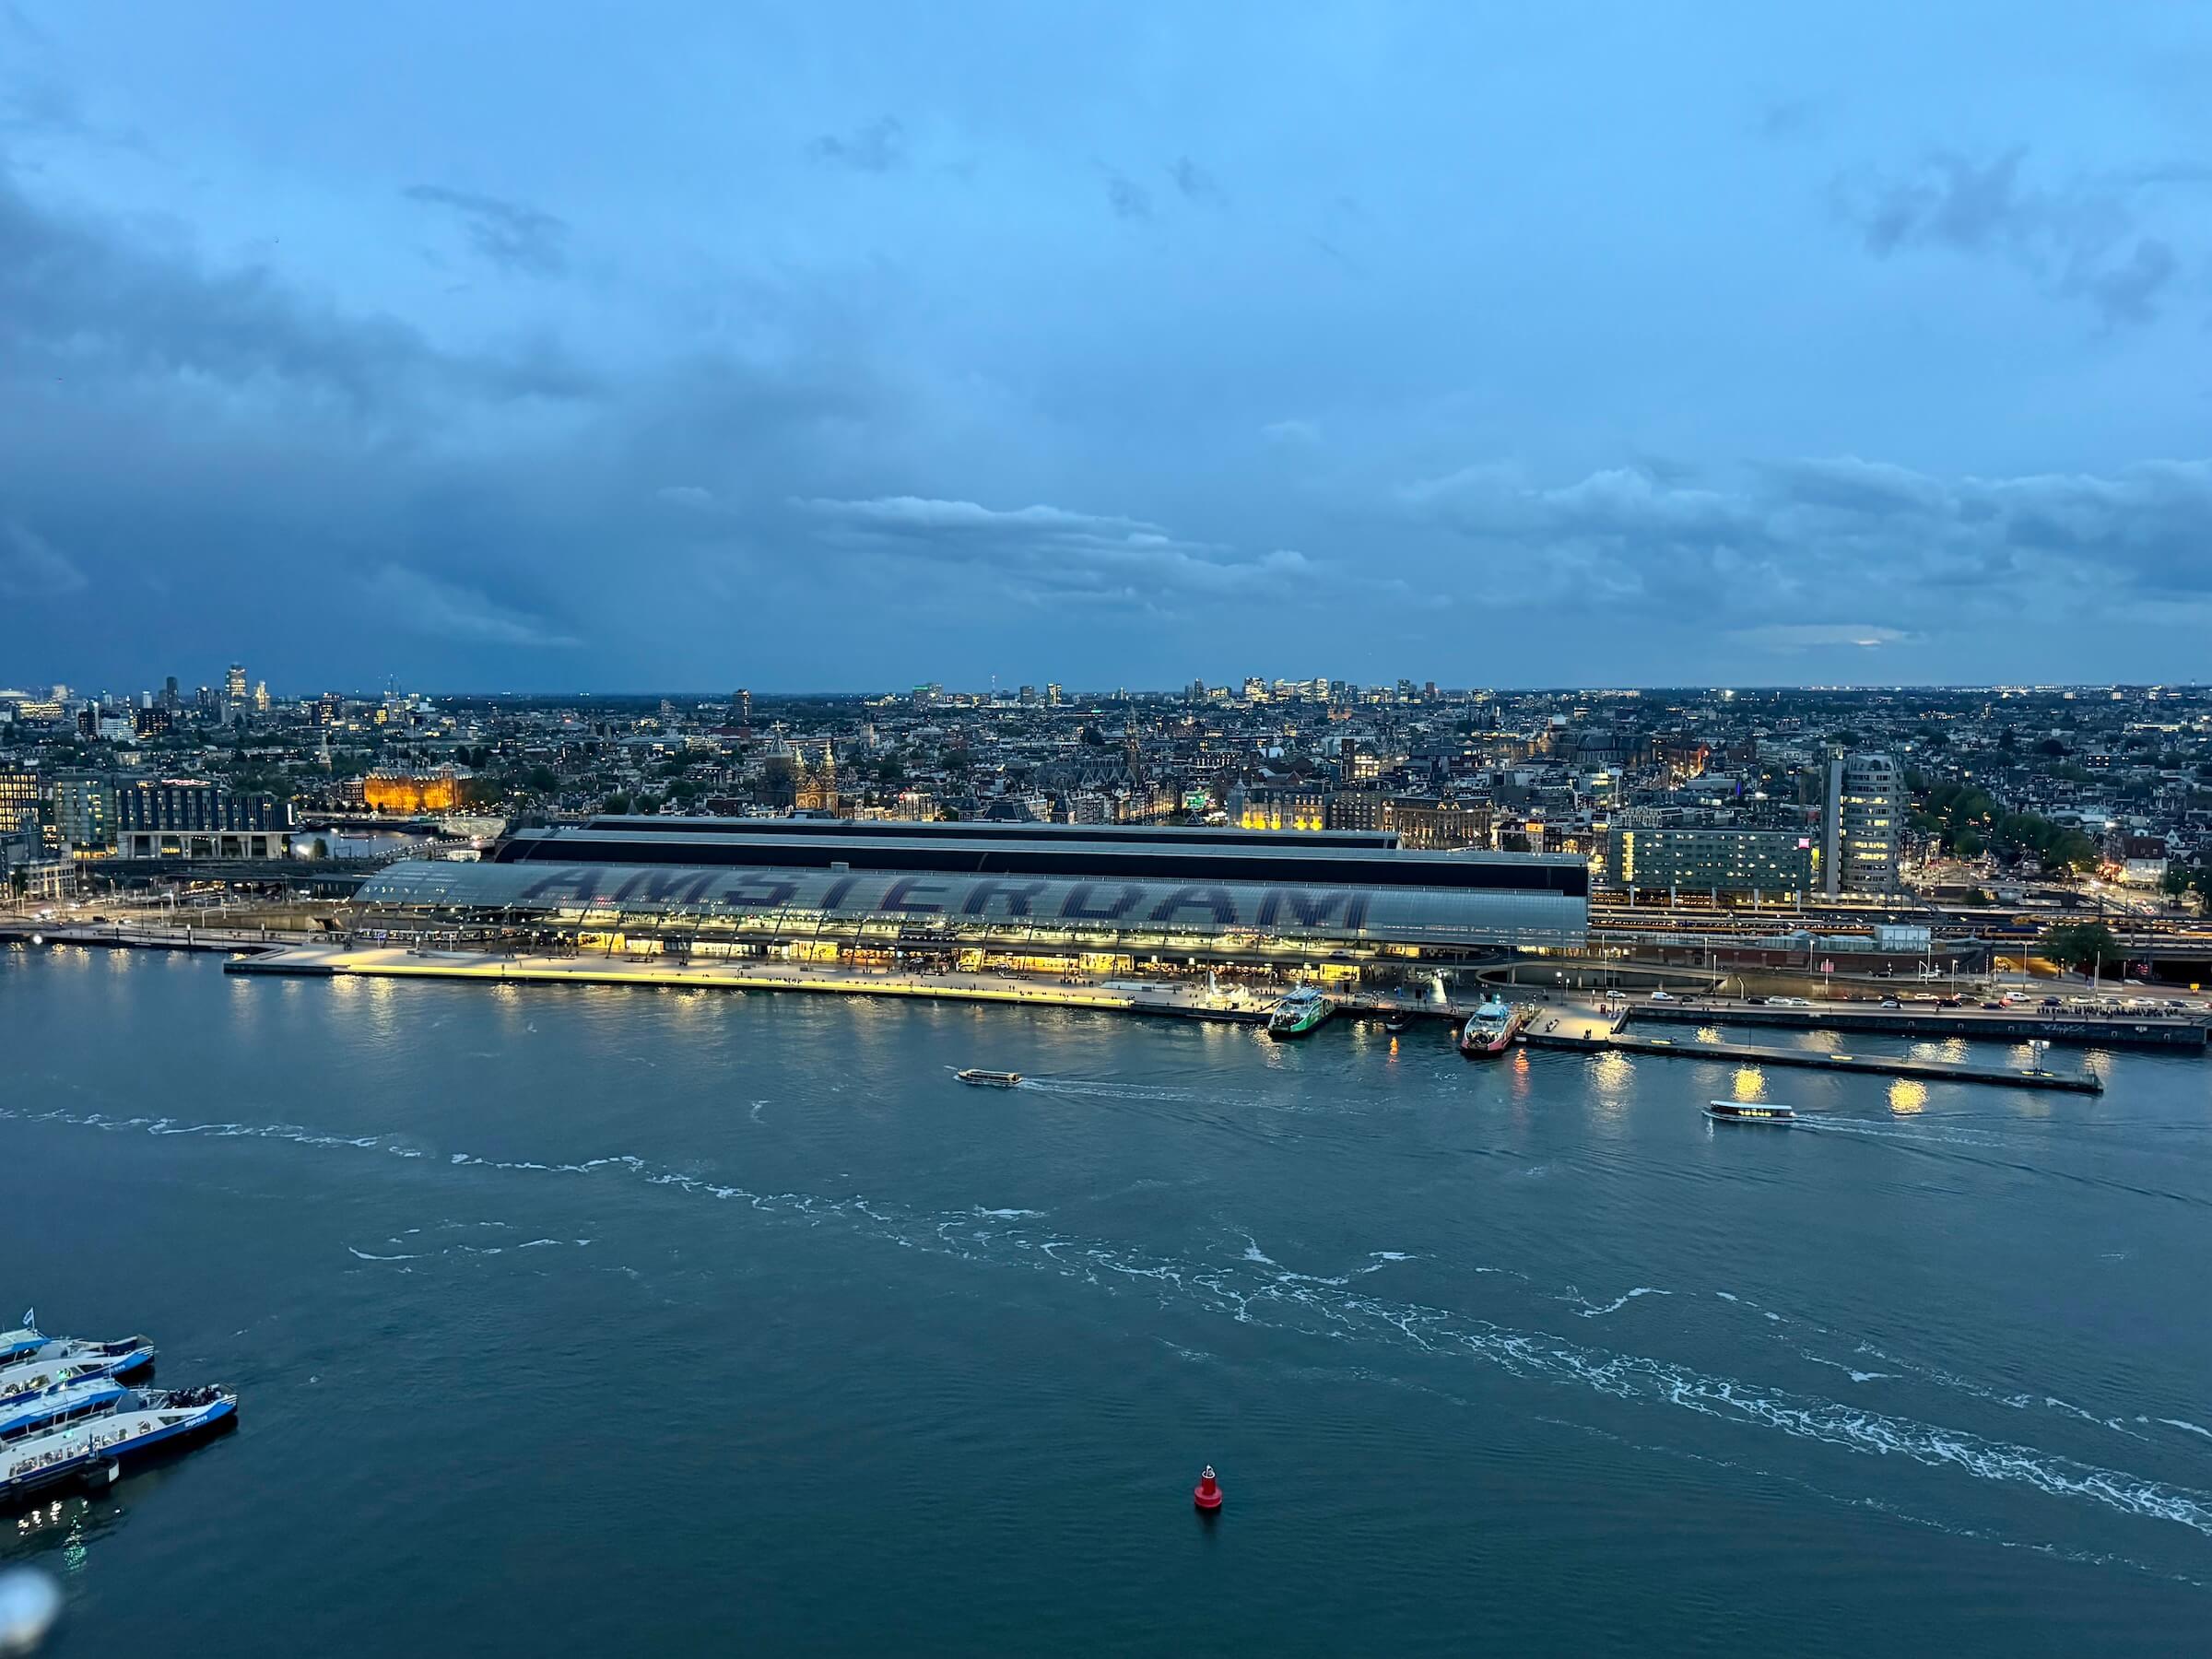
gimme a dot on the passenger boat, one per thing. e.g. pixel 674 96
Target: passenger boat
pixel 31 1345
pixel 1298 1013
pixel 58 1408
pixel 102 1360
pixel 90 1452
pixel 1749 1112
pixel 1398 1022
pixel 989 1079
pixel 1491 1028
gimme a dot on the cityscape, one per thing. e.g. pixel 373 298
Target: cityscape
pixel 1726 799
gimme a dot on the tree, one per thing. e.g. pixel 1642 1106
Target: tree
pixel 2081 945
pixel 2051 747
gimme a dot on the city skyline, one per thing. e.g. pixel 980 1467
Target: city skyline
pixel 1531 355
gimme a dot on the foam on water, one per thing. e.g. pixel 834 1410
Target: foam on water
pixel 1326 1306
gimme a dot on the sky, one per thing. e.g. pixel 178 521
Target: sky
pixel 681 344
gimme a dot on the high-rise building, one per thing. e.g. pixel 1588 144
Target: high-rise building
pixel 741 708
pixel 84 811
pixel 1052 694
pixel 19 793
pixel 234 692
pixel 261 697
pixel 1860 827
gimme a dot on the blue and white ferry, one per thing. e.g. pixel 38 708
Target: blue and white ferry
pixel 29 1354
pixel 59 1407
pixel 91 1450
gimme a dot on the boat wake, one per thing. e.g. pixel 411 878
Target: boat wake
pixel 1252 1289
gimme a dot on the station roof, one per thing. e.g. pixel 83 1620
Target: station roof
pixel 1294 859
pixel 1151 911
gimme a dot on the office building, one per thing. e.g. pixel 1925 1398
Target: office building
pixel 192 818
pixel 84 811
pixel 1861 825
pixel 1759 864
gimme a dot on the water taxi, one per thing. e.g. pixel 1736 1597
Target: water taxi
pixel 1749 1112
pixel 1491 1028
pixel 1298 1013
pixel 989 1079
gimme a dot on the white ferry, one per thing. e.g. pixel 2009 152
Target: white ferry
pixel 1749 1112
pixel 90 1452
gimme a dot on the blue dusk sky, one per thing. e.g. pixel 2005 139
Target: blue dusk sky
pixel 670 344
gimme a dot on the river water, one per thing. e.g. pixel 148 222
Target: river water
pixel 608 1321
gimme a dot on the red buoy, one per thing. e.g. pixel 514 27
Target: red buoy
pixel 1207 1494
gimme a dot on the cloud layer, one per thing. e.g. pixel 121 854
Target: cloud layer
pixel 848 353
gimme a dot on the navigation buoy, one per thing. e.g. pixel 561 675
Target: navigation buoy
pixel 1207 1494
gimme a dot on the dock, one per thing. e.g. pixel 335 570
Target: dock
pixel 1876 1065
pixel 2162 1028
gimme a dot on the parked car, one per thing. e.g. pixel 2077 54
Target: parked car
pixel 1891 1002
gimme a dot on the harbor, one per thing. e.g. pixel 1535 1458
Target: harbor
pixel 1586 1028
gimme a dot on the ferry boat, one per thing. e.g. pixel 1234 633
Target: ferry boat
pixel 37 1375
pixel 58 1408
pixel 1749 1112
pixel 1298 1013
pixel 31 1345
pixel 1398 1022
pixel 1491 1028
pixel 90 1452
pixel 989 1079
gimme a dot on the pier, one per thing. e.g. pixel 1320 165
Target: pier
pixel 1877 1066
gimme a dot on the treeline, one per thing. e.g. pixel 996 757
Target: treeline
pixel 1970 822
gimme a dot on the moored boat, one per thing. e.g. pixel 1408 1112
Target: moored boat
pixel 1395 1023
pixel 1491 1028
pixel 58 1408
pixel 29 1346
pixel 1298 1013
pixel 90 1451
pixel 989 1079
pixel 1749 1112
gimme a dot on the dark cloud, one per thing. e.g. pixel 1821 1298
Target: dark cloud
pixel 1195 183
pixel 424 604
pixel 508 235
pixel 1041 553
pixel 1797 541
pixel 87 299
pixel 1781 119
pixel 876 147
pixel 32 567
pixel 1128 199
pixel 2082 240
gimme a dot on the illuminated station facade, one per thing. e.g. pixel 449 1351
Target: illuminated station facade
pixel 1026 898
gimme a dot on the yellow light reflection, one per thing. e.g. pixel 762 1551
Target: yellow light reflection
pixel 1907 1096
pixel 1750 1083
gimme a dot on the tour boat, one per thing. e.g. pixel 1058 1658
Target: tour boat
pixel 1749 1112
pixel 989 1079
pixel 89 1452
pixel 1298 1013
pixel 1491 1028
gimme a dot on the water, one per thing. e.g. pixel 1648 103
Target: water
pixel 590 1321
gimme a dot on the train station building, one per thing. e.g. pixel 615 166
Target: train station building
pixel 1034 898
